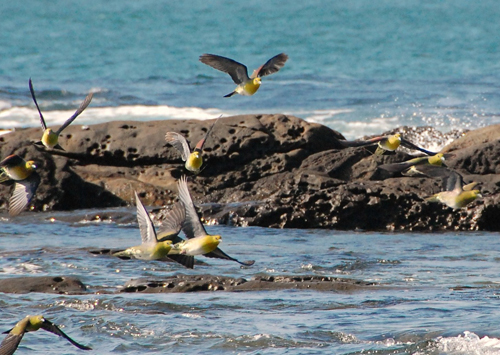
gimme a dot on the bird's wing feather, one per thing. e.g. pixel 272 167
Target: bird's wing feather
pixel 454 182
pixel 192 226
pixel 82 107
pixel 50 327
pixel 362 143
pixel 174 219
pixel 200 144
pixel 42 121
pixel 148 233
pixel 272 65
pixel 23 193
pixel 410 145
pixel 219 254
pixel 186 260
pixel 178 142
pixel 237 71
pixel 10 344
pixel 12 160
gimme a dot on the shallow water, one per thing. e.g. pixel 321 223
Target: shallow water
pixel 436 292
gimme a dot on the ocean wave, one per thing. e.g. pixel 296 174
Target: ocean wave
pixel 17 117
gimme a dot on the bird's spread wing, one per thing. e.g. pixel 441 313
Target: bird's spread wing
pixel 82 107
pixel 23 193
pixel 362 143
pixel 148 233
pixel 10 343
pixel 192 226
pixel 410 145
pixel 50 327
pixel 398 167
pixel 200 144
pixel 178 142
pixel 186 260
pixel 12 160
pixel 454 182
pixel 42 121
pixel 237 71
pixel 272 65
pixel 219 254
pixel 173 221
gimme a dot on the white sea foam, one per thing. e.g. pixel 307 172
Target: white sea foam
pixel 16 117
pixel 468 344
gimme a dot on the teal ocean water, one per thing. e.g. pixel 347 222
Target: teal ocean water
pixel 361 67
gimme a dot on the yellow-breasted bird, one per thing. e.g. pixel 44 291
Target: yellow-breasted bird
pixel 246 85
pixel 22 174
pixel 50 138
pixel 31 324
pixel 199 242
pixel 456 195
pixel 386 143
pixel 194 159
pixel 407 167
pixel 151 248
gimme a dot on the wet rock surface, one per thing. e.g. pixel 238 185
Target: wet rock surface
pixel 184 283
pixel 265 170
pixel 44 284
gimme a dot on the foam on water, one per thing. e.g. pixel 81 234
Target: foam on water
pixel 17 117
pixel 469 344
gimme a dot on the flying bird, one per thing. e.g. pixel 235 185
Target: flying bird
pixel 199 242
pixel 31 324
pixel 151 248
pixel 457 194
pixel 386 143
pixel 50 138
pixel 15 170
pixel 194 159
pixel 410 166
pixel 247 86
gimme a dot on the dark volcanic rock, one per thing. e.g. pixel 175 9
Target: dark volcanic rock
pixel 45 284
pixel 190 283
pixel 266 170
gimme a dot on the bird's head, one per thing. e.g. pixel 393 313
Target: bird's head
pixel 164 247
pixel 476 193
pixel 30 165
pixel 437 159
pixel 257 81
pixel 35 323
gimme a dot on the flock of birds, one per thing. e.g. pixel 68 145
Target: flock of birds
pixel 167 244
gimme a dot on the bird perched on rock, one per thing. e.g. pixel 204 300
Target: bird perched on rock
pixel 246 85
pixel 31 324
pixel 151 248
pixel 194 160
pixel 409 166
pixel 199 242
pixel 386 143
pixel 50 138
pixel 22 174
pixel 457 194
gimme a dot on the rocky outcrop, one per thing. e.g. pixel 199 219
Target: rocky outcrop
pixel 44 284
pixel 183 283
pixel 267 170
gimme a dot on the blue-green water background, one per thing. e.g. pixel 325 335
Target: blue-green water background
pixel 360 67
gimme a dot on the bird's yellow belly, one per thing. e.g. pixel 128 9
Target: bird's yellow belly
pixel 194 163
pixel 50 139
pixel 248 89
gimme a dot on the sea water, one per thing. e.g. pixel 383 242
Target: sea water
pixel 360 67
pixel 432 293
